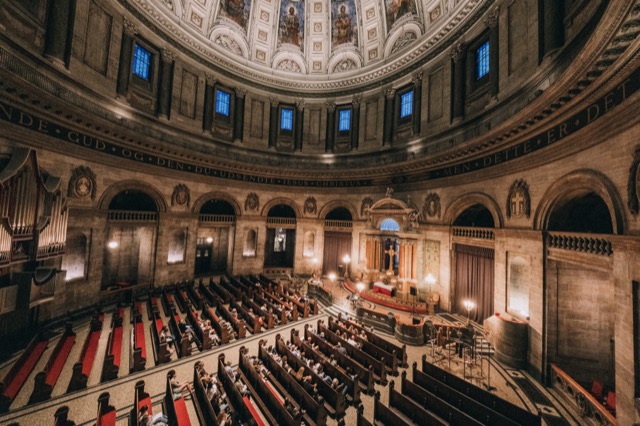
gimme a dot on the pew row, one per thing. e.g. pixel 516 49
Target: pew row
pixel 45 380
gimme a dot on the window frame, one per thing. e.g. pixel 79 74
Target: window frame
pixel 339 112
pixel 478 84
pixel 135 80
pixel 218 117
pixel 284 131
pixel 406 120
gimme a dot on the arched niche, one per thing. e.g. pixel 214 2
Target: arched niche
pixel 571 194
pixel 518 287
pixel 308 249
pixel 220 196
pixel 132 185
pixel 477 216
pixel 339 213
pixel 268 211
pixel 332 205
pixel 458 207
pixel 389 224
pixel 177 246
pixel 133 200
pixel 250 243
pixel 76 257
pixel 218 207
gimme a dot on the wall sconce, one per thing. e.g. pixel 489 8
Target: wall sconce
pixel 209 240
pixel 112 244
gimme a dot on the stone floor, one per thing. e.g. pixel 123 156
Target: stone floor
pixel 83 404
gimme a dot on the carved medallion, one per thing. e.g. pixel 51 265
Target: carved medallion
pixel 633 187
pixel 431 207
pixel 82 183
pixel 518 201
pixel 252 202
pixel 310 206
pixel 181 196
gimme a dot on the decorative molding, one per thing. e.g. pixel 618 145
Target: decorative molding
pixel 389 93
pixel 491 20
pixel 167 55
pixel 345 65
pixel 331 106
pixel 633 187
pixel 518 200
pixel 82 183
pixel 356 100
pixel 417 78
pixel 366 204
pixel 404 40
pixel 289 65
pixel 181 195
pixel 228 44
pixel 129 27
pixel 457 51
pixel 252 203
pixel 431 206
pixel 240 93
pixel 211 79
pixel 310 206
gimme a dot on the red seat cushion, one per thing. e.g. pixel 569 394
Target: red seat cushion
pixel 146 401
pixel 253 411
pixel 108 419
pixel 116 347
pixel 611 400
pixel 182 415
pixel 140 343
pixel 14 385
pixel 60 359
pixel 159 324
pixel 90 353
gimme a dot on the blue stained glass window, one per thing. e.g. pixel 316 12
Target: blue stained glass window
pixel 344 120
pixel 141 62
pixel 482 60
pixel 406 104
pixel 389 225
pixel 286 119
pixel 223 100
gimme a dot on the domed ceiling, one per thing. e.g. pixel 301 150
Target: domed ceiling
pixel 334 43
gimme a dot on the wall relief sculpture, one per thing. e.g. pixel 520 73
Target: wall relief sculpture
pixel 181 196
pixel 518 201
pixel 310 206
pixel 431 207
pixel 633 187
pixel 366 205
pixel 82 183
pixel 252 203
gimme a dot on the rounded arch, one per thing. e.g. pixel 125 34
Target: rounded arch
pixel 338 203
pixel 337 62
pixel 463 203
pixel 227 39
pixel 409 32
pixel 135 185
pixel 284 60
pixel 578 184
pixel 281 200
pixel 216 195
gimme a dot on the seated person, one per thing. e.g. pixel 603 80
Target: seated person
pixel 179 389
pixel 144 419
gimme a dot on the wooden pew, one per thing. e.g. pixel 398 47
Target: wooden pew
pixel 303 308
pixel 140 399
pixel 238 325
pixel 252 320
pixel 400 351
pixel 385 416
pixel 138 346
pixel 243 286
pixel 246 409
pixel 223 333
pixel 20 371
pixel 195 296
pixel 267 316
pixel 424 388
pixel 488 399
pixel 316 411
pixel 219 290
pixel 281 300
pixel 176 409
pixel 210 297
pixel 202 338
pixel 390 359
pixel 182 343
pixel 379 366
pixel 335 402
pixel 232 289
pixel 152 306
pixel 136 312
pixel 82 368
pixel 277 309
pixel 334 371
pixel 113 353
pixel 160 349
pixel 61 417
pixel 206 413
pixel 272 402
pixel 366 376
pixel 106 413
pixel 418 414
pixel 45 380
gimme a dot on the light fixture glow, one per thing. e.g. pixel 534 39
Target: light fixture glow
pixel 332 276
pixel 112 245
pixel 209 240
pixel 430 279
pixel 346 259
pixel 360 287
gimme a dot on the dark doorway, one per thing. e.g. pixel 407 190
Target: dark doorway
pixel 281 237
pixel 217 220
pixel 203 257
pixel 337 243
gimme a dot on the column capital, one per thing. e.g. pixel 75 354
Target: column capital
pixel 331 106
pixel 457 52
pixel 389 93
pixel 491 19
pixel 241 93
pixel 129 27
pixel 211 79
pixel 417 78
pixel 167 55
pixel 300 105
pixel 356 100
pixel 274 102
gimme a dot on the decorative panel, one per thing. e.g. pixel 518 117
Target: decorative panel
pixel 436 85
pixel 188 94
pixel 98 38
pixel 257 118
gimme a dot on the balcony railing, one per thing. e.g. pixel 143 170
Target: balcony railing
pixel 586 403
pixel 585 243
pixel 471 232
pixel 217 218
pixel 338 224
pixel 281 221
pixel 132 216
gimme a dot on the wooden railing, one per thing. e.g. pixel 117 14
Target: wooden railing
pixel 217 218
pixel 132 216
pixel 472 232
pixel 588 405
pixel 42 293
pixel 585 243
pixel 281 221
pixel 338 224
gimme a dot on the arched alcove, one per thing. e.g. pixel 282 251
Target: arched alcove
pixel 339 213
pixel 518 287
pixel 250 242
pixel 133 200
pixel 477 216
pixel 75 260
pixel 281 236
pixel 216 206
pixel 587 213
pixel 281 210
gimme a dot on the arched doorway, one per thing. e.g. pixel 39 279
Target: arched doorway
pixel 474 263
pixel 580 296
pixel 337 240
pixel 214 244
pixel 281 237
pixel 131 240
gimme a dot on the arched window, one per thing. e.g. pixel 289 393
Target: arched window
pixel 389 225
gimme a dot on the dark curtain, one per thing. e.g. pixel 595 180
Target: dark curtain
pixel 282 259
pixel 474 280
pixel 336 245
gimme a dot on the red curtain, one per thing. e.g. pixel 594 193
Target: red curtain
pixel 474 280
pixel 336 245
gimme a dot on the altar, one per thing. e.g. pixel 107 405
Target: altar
pixel 382 288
